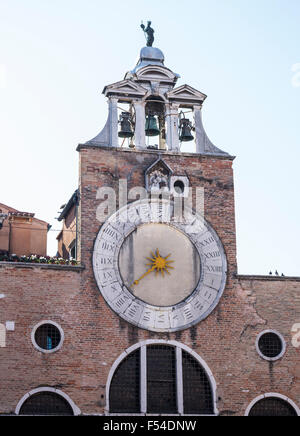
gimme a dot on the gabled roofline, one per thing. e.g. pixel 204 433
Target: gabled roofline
pixel 116 87
pixel 195 94
pixel 9 208
pixel 159 160
pixel 11 212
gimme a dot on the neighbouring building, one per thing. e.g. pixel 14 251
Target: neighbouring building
pixel 155 319
pixel 22 233
pixel 67 238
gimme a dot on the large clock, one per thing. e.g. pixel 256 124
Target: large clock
pixel 158 272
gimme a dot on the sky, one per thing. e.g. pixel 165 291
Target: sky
pixel 56 57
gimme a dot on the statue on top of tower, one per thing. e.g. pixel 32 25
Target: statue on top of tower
pixel 149 32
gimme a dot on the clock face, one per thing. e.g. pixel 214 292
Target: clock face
pixel 158 273
pixel 150 244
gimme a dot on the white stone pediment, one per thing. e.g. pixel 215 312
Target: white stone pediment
pixel 186 93
pixel 161 164
pixel 153 72
pixel 157 176
pixel 125 87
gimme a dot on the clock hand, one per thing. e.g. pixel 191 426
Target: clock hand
pixel 158 264
pixel 136 282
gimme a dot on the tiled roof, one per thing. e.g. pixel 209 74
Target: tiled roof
pixel 21 214
pixel 14 212
pixel 11 212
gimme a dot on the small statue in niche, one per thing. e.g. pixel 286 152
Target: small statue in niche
pixel 158 181
pixel 149 32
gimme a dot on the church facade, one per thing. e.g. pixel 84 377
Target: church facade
pixel 154 319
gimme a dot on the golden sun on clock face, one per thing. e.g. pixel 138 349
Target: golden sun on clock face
pixel 161 276
pixel 158 264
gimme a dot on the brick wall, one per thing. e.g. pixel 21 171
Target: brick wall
pixel 33 294
pixel 276 306
pixel 95 336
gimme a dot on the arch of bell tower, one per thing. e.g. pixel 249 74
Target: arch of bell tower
pixel 151 80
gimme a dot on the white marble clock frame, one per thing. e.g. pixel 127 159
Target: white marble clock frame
pixel 183 315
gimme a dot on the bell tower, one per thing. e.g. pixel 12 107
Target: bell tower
pixel 141 152
pixel 148 275
pixel 153 107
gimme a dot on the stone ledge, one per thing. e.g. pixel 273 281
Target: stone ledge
pixel 75 268
pixel 158 151
pixel 267 277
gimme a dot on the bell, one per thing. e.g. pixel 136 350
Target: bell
pixel 151 128
pixel 185 127
pixel 125 121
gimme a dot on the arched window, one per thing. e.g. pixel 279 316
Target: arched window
pixel 46 401
pixel 197 397
pixel 161 378
pixel 126 381
pixel 272 405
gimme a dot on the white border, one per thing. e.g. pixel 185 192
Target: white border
pixel 283 343
pixel 272 395
pixel 143 346
pixel 62 337
pixel 75 409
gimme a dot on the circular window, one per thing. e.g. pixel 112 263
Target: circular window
pixel 179 187
pixel 47 337
pixel 270 345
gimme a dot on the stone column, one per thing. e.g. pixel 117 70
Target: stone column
pixel 172 137
pixel 113 122
pixel 200 134
pixel 140 120
pixel 162 143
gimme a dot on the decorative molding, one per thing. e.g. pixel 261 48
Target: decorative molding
pixel 125 87
pixel 186 93
pixel 156 73
pixel 267 278
pixel 218 156
pixel 158 167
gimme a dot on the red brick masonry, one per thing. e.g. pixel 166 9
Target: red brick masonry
pixel 95 336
